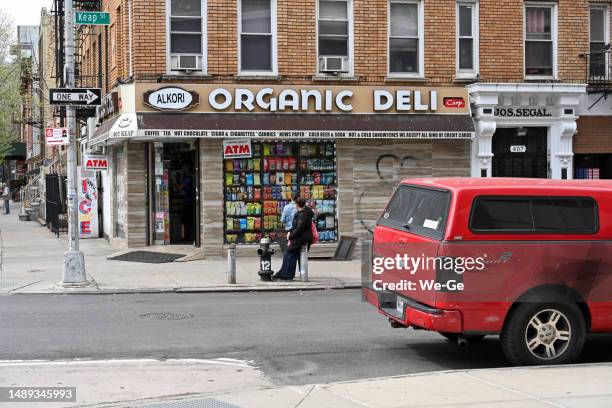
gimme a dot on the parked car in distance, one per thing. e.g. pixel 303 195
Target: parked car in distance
pixel 541 252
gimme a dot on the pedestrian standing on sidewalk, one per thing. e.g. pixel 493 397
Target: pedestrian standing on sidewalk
pixel 6 195
pixel 299 236
pixel 289 213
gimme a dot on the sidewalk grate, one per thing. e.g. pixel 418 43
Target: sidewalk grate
pixel 148 257
pixel 205 403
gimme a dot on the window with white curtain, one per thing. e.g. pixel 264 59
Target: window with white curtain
pixel 257 27
pixel 405 38
pixel 540 33
pixel 467 38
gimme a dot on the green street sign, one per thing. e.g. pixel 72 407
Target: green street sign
pixel 93 17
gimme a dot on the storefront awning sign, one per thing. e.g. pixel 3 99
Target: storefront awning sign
pixel 237 149
pixel 311 99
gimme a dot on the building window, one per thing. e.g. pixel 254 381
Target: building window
pixel 405 38
pixel 257 28
pixel 334 29
pixel 467 39
pixel 187 42
pixel 540 40
pixel 598 41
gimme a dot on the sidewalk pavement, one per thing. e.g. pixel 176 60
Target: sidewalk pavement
pixel 31 261
pixel 238 384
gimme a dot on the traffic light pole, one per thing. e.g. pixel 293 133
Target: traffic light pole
pixel 74 262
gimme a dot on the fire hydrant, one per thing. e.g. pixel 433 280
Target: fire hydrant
pixel 265 259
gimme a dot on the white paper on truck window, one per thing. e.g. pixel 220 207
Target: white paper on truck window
pixel 431 224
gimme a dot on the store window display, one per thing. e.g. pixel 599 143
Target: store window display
pixel 258 188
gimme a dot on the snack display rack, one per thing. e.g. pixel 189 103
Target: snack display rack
pixel 257 189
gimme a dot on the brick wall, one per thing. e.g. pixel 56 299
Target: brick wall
pixel 501 40
pixel 594 135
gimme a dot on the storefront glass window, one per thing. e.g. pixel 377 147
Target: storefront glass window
pixel 258 188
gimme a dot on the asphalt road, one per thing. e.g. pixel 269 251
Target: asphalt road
pixel 295 338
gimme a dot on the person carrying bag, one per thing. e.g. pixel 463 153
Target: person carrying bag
pixel 299 236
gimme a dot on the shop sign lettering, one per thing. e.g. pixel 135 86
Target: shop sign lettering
pixel 236 149
pixel 527 112
pixel 95 162
pixel 243 98
pixel 171 98
pixel 87 204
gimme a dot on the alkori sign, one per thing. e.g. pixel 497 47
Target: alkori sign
pixel 315 99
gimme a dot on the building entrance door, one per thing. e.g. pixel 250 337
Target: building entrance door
pixel 174 211
pixel 520 152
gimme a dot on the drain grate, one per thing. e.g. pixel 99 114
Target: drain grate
pixel 205 403
pixel 166 316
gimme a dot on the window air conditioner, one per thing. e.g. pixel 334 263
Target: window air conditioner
pixel 333 64
pixel 186 63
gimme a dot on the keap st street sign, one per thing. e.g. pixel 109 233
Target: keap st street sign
pixel 92 18
pixel 95 162
pixel 57 136
pixel 237 149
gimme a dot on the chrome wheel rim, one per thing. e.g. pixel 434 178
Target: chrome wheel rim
pixel 548 334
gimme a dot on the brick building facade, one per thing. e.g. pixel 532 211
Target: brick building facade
pixel 520 68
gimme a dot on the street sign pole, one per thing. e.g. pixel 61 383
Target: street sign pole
pixel 73 274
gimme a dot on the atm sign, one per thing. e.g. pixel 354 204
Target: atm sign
pixel 237 149
pixel 96 163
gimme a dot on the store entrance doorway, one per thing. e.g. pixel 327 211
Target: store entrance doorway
pixel 174 190
pixel 520 152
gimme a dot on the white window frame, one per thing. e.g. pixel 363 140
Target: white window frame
pixel 553 29
pixel 351 40
pixel 273 29
pixel 421 33
pixel 606 10
pixel 469 73
pixel 204 54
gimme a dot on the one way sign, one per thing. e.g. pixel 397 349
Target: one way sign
pixel 75 96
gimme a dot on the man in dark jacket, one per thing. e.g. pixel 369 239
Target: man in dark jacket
pixel 300 235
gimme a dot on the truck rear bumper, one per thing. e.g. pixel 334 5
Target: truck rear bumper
pixel 409 312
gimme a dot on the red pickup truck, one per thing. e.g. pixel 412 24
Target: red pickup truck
pixel 528 259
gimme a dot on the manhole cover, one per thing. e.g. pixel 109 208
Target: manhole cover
pixel 166 316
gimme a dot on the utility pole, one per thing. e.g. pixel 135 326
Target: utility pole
pixel 74 262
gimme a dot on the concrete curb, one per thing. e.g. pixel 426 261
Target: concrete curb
pixel 212 289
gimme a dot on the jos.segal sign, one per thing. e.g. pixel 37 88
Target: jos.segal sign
pixel 232 98
pixel 171 98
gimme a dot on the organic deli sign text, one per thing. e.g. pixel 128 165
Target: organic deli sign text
pixel 312 99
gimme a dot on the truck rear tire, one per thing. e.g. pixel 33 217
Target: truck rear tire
pixel 543 334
